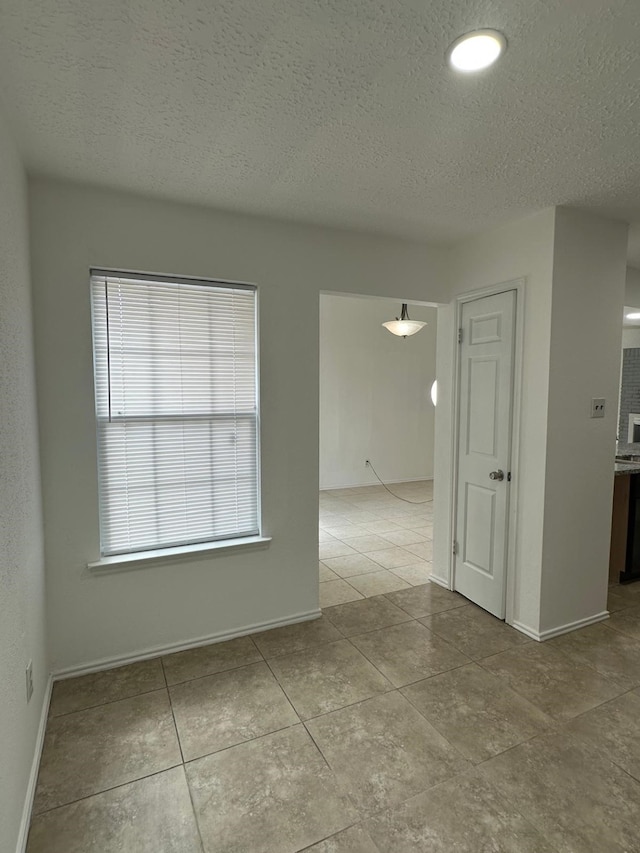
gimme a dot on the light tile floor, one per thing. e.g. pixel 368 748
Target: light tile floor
pixel 402 722
pixel 372 543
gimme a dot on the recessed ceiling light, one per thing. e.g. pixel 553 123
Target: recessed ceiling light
pixel 477 50
pixel 635 315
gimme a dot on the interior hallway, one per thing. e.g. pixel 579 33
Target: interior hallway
pixel 404 721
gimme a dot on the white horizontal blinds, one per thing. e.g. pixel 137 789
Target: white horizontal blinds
pixel 175 374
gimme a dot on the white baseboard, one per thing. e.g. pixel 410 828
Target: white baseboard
pixel 526 630
pixel 376 483
pixel 549 633
pixel 440 581
pixel 155 651
pixel 23 833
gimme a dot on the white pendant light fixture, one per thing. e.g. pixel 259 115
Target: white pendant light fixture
pixel 476 51
pixel 402 325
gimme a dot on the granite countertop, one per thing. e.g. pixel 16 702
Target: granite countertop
pixel 630 467
pixel 627 468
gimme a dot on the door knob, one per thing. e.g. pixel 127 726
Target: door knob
pixel 496 475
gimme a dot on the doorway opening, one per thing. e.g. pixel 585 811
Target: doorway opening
pixel 377 423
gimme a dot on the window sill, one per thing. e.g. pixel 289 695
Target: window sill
pixel 124 561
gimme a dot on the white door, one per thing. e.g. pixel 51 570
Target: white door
pixel 485 409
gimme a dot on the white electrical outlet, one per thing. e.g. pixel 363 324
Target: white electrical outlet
pixel 29 674
pixel 597 407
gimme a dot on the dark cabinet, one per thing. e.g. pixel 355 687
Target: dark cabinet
pixel 632 562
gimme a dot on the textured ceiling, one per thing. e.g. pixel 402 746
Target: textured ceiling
pixel 333 111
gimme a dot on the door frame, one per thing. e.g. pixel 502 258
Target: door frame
pixel 518 285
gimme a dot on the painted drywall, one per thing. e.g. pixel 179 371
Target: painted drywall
pixel 22 586
pixel 589 269
pixel 518 250
pixel 630 337
pixel 632 288
pixel 375 398
pixel 100 617
pixel 563 523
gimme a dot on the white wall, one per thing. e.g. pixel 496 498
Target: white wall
pixel 631 337
pixel 73 228
pixel 570 261
pixel 632 288
pixel 589 272
pixel 374 393
pixel 522 249
pixel 22 611
pixel 116 615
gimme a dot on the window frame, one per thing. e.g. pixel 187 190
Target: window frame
pixel 208 546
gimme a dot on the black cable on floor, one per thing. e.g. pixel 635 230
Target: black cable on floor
pixel 406 500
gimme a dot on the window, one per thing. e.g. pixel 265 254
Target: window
pixel 176 407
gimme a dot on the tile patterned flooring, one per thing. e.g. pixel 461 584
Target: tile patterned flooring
pixel 405 719
pixel 371 543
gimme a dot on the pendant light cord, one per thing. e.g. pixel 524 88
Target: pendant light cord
pixel 406 500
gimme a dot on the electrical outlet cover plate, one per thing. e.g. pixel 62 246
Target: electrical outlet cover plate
pixel 597 407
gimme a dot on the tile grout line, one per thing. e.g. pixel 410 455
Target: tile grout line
pixel 284 692
pixel 173 717
pixel 550 730
pixel 324 713
pixel 372 630
pixel 183 765
pixel 626 772
pixel 350 705
pixel 353 705
pixel 106 702
pixel 186 777
pixel 164 672
pixel 240 743
pixel 217 671
pixel 333 835
pixel 418 680
pixel 370 815
pixel 193 808
pixel 106 790
pixel 515 689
